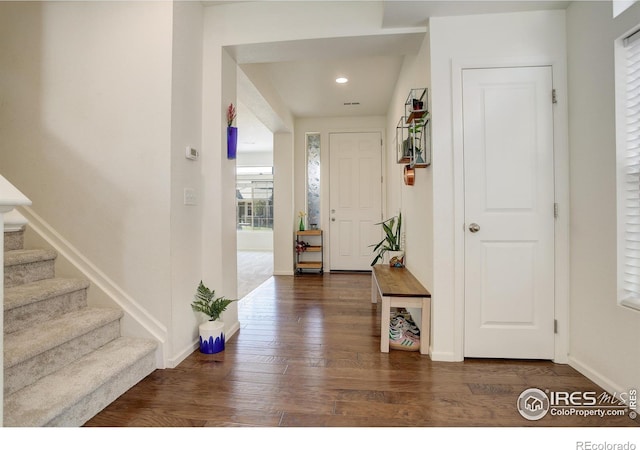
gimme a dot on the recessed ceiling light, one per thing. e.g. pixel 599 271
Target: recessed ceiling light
pixel 341 80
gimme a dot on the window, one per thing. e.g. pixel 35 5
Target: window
pixel 254 198
pixel 628 168
pixel 313 180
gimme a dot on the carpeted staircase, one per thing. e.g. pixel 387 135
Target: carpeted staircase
pixel 63 360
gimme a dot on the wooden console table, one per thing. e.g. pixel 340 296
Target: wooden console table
pixel 398 288
pixel 315 248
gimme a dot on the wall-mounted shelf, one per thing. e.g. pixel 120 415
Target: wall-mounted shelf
pixel 404 149
pixel 415 115
pixel 413 131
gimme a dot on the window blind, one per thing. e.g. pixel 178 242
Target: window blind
pixel 631 175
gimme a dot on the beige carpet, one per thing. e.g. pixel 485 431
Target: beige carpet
pixel 254 268
pixel 79 362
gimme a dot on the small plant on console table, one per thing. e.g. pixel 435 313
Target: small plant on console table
pixel 392 229
pixel 211 331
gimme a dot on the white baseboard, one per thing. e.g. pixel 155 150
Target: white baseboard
pixel 141 322
pixel 605 383
pixel 182 355
pixel 233 329
pixel 561 359
pixel 443 356
pixel 283 272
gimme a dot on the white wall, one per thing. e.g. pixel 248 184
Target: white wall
pixel 283 162
pixel 257 22
pixel 219 249
pixel 95 131
pixel 415 202
pixel 259 158
pixel 477 41
pixel 255 240
pixel 186 221
pixel 85 123
pixel 604 336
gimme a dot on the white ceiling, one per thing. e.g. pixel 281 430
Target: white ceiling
pixel 253 135
pixel 401 13
pixel 303 72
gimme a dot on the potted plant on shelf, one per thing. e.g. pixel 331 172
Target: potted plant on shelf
pixel 390 243
pixel 415 134
pixel 211 331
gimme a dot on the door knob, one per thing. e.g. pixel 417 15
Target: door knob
pixel 333 219
pixel 474 227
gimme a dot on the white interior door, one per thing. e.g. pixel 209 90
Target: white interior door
pixel 355 199
pixel 509 213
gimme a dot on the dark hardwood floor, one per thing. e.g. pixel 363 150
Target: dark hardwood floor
pixel 307 355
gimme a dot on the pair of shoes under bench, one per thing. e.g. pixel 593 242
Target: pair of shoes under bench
pixel 403 323
pixel 403 340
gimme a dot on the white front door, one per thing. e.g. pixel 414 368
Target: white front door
pixel 509 213
pixel 355 199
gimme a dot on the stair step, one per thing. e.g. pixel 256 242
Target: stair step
pixel 35 352
pixel 31 303
pixel 26 266
pixel 77 392
pixel 13 240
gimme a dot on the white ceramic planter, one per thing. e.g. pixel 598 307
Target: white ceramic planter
pixel 211 336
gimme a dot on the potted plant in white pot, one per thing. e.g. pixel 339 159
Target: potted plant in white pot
pixel 390 243
pixel 211 331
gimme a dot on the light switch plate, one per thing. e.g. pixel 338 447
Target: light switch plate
pixel 190 197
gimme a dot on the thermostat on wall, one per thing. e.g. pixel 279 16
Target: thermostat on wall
pixel 191 153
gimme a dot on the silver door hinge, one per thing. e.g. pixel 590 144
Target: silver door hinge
pixel 555 327
pixel 554 97
pixel 555 210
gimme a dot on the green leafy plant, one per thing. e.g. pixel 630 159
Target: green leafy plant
pixel 391 241
pixel 205 302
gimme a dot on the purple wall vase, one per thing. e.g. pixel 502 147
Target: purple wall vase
pixel 232 142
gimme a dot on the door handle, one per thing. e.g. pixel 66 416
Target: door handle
pixel 333 219
pixel 474 227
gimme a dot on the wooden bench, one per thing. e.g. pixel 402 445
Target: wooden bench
pixel 398 288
